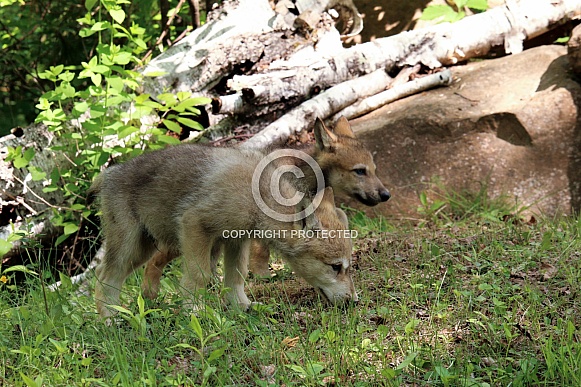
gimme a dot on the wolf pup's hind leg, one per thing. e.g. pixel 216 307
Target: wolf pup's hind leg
pixel 153 272
pixel 125 252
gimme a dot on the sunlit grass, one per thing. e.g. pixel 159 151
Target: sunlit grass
pixel 474 300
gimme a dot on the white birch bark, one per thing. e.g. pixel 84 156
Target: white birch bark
pixel 397 92
pixel 433 46
pixel 322 105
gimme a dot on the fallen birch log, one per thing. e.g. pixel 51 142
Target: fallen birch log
pixel 401 91
pixel 322 105
pixel 443 44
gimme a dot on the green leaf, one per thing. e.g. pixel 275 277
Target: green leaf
pixel 479 5
pixel 29 381
pixel 67 76
pixel 298 369
pixel 411 326
pixel 60 346
pixel 168 99
pixel 438 11
pixel 36 173
pixel 191 102
pixel 153 74
pixel 315 368
pixel 116 83
pixel 97 111
pixel 96 79
pixel 216 354
pixel 141 98
pixel 210 370
pixel 101 69
pixel 81 107
pixel 173 126
pixel 65 280
pixel 20 162
pixel 407 361
pixel 61 239
pixel 121 309
pixel 43 104
pixel 118 15
pixel 20 268
pixel 89 4
pixel 29 154
pixel 70 228
pixel 196 327
pixel 314 336
pixel 168 139
pixel 140 304
pixel 485 286
pixel 190 123
pixel 389 373
pixel 100 26
pixel 56 70
pixel 86 32
pixel 140 43
pixel 5 247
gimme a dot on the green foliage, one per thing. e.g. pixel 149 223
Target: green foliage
pixel 453 12
pixel 98 112
pixel 36 35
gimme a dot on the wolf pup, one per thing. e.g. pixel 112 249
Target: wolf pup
pixel 182 200
pixel 348 168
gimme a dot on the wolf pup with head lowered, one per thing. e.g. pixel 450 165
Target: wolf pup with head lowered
pixel 347 167
pixel 182 200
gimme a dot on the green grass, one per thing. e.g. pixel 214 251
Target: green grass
pixel 456 301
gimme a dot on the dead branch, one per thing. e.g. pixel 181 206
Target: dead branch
pixel 323 105
pixel 434 46
pixel 397 92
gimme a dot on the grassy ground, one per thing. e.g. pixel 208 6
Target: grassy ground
pixel 461 298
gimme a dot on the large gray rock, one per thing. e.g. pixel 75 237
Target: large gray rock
pixel 511 122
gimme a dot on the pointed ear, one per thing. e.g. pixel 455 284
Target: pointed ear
pixel 327 204
pixel 328 196
pixel 342 217
pixel 324 138
pixel 342 128
pixel 311 222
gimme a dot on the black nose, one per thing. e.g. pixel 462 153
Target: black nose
pixel 384 195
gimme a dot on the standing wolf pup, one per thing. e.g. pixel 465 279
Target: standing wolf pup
pixel 180 200
pixel 348 168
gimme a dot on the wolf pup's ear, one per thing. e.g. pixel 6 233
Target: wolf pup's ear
pixel 342 217
pixel 311 222
pixel 342 128
pixel 324 138
pixel 328 197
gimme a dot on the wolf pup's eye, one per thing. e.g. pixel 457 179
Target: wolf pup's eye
pixel 360 171
pixel 337 268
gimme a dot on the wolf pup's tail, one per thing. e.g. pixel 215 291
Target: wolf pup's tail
pixel 95 189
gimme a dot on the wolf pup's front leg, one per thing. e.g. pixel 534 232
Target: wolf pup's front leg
pixel 236 255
